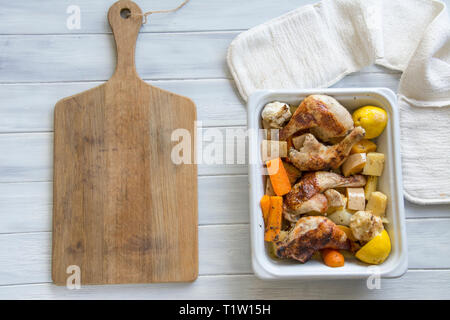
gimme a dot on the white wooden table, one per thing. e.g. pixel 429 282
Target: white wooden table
pixel 41 61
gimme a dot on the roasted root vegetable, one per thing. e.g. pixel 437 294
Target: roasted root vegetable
pixel 334 198
pixel 276 113
pixel 332 258
pixel 371 186
pixel 365 225
pixel 273 246
pixel 377 204
pixel 354 164
pixel 341 217
pixel 374 164
pixel 269 188
pixel 356 199
pixel 271 149
pixel 273 226
pixel 265 207
pixel 331 209
pixel 348 232
pixel 364 146
pixel 278 176
pixel 269 132
pixel 292 172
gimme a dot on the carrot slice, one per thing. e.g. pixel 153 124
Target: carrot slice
pixel 278 176
pixel 273 225
pixel 265 207
pixel 332 258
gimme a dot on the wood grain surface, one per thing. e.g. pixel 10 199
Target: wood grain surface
pixel 124 212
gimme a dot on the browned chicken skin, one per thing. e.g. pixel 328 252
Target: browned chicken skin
pixel 309 235
pixel 313 155
pixel 324 115
pixel 298 200
pixel 318 203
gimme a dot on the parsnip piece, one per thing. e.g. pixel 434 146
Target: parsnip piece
pixel 341 217
pixel 356 199
pixel 371 186
pixel 269 188
pixel 334 198
pixel 271 149
pixel 269 132
pixel 377 204
pixel 332 209
pixel 374 164
pixel 354 164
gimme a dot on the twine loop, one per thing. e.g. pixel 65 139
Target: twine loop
pixel 146 14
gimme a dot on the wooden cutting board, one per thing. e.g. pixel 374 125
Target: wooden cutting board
pixel 122 210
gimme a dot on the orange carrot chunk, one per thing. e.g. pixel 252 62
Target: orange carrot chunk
pixel 278 176
pixel 273 225
pixel 332 258
pixel 265 207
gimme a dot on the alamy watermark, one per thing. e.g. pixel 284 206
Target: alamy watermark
pixel 73 21
pixel 374 280
pixel 74 279
pixel 214 146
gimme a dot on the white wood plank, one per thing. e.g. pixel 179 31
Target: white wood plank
pixel 223 249
pixel 35 17
pixel 430 211
pixel 28 156
pixel 415 284
pixel 425 250
pixel 92 57
pixel 29 107
pixel 27 206
pixel 51 58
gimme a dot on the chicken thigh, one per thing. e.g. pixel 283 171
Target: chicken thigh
pixel 314 183
pixel 313 155
pixel 309 235
pixel 324 115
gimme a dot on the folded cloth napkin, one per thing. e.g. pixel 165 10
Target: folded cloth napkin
pixel 317 45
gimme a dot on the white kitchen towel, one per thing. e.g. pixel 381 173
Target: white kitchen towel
pixel 317 45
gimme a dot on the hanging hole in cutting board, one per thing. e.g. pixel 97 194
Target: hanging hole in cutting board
pixel 125 13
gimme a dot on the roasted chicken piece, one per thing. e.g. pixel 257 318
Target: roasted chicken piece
pixel 309 235
pixel 313 155
pixel 317 204
pixel 309 189
pixel 323 115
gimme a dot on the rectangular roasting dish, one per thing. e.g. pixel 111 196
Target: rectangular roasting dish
pixel 390 183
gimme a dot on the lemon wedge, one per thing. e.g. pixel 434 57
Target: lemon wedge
pixel 372 119
pixel 376 250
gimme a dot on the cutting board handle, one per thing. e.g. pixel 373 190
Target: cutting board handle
pixel 125 19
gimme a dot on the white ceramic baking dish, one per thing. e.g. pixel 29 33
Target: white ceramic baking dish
pixel 390 183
